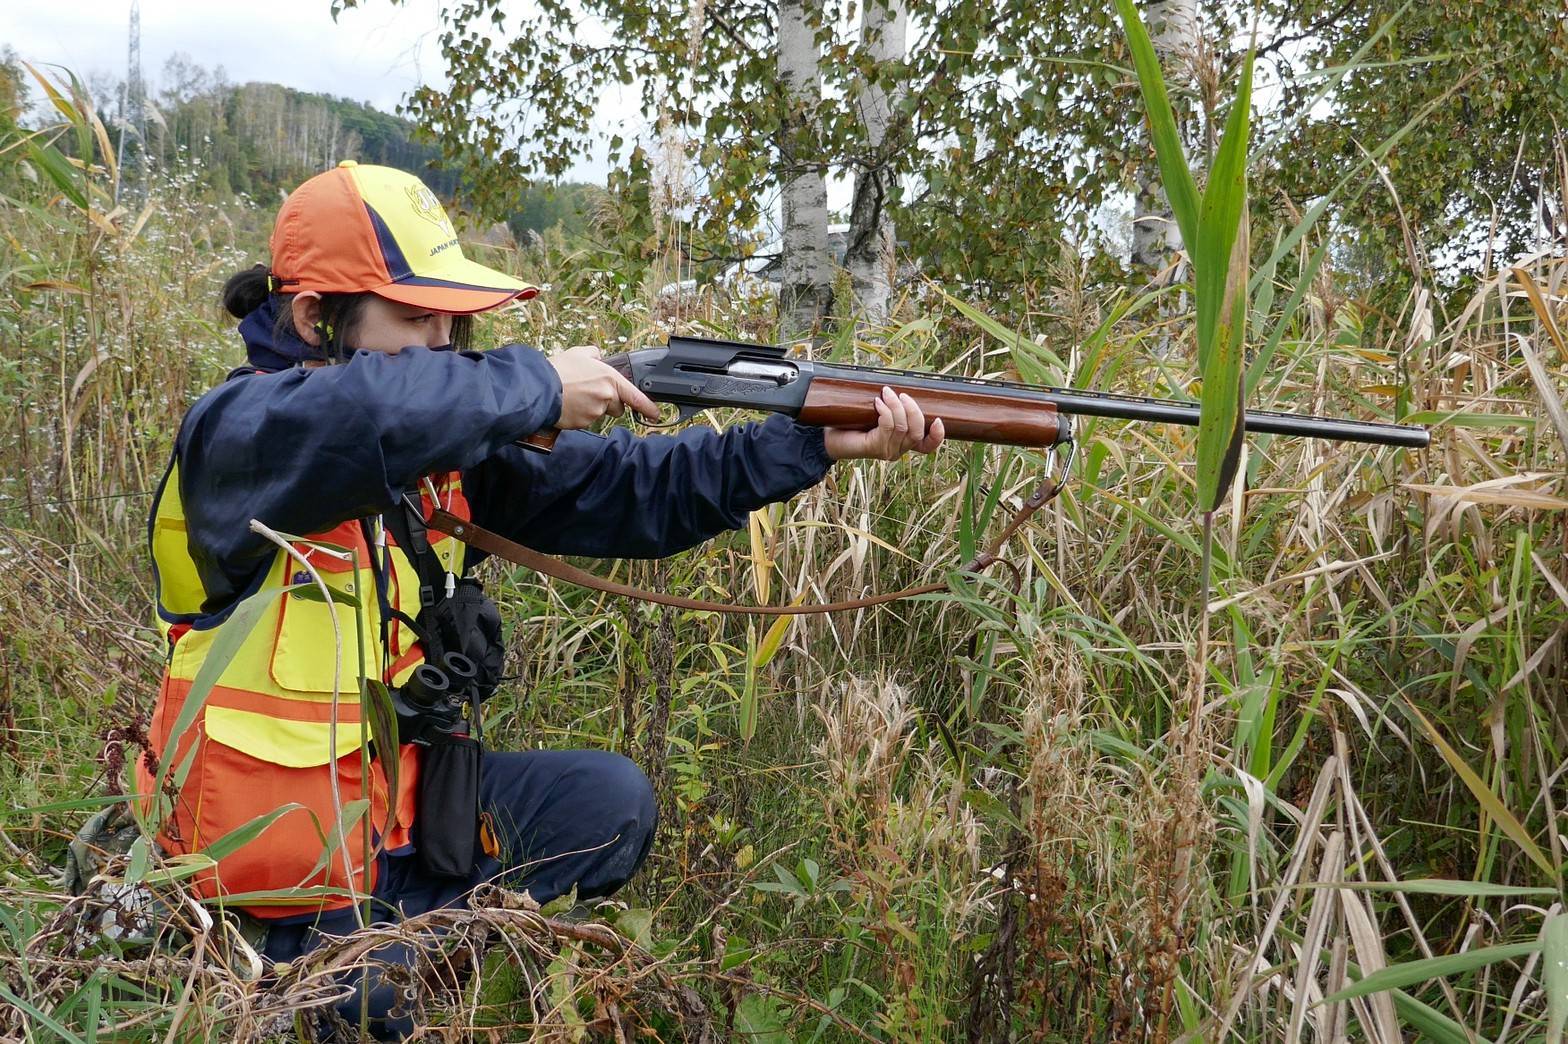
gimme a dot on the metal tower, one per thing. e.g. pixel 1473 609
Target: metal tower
pixel 133 103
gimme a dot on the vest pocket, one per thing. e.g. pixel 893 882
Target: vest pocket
pixel 236 787
pixel 302 655
pixel 281 741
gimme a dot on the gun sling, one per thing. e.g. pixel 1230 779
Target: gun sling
pixel 518 554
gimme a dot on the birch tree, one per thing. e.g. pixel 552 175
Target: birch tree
pixel 1173 25
pixel 806 268
pixel 871 258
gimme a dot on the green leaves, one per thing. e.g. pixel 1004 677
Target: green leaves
pixel 1412 972
pixel 1180 188
pixel 1216 234
pixel 1219 264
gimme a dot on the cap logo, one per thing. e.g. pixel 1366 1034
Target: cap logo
pixel 427 206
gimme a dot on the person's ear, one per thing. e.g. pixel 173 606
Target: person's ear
pixel 306 308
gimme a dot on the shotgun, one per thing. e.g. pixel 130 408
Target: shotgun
pixel 696 374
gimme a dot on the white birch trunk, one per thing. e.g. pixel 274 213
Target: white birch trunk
pixel 871 258
pixel 806 267
pixel 1173 25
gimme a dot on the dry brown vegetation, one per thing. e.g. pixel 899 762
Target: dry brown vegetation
pixel 976 816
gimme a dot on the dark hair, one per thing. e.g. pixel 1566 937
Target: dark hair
pixel 246 291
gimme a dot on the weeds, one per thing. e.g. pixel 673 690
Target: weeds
pixel 967 817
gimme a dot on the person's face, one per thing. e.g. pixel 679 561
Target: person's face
pixel 386 326
pixel 383 326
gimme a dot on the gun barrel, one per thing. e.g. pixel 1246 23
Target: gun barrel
pixel 1130 407
pixel 1141 408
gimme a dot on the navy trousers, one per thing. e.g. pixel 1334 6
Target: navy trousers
pixel 565 818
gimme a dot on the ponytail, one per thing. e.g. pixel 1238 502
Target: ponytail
pixel 246 291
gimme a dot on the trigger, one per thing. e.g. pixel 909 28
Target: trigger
pixel 686 411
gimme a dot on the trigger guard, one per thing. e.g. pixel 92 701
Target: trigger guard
pixel 683 413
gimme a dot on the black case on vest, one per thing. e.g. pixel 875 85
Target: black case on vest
pixel 446 828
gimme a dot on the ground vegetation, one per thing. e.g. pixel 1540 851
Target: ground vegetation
pixel 993 814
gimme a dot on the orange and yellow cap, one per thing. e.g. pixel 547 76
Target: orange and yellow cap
pixel 359 229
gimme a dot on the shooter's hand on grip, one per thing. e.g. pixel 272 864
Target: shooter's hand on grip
pixel 589 390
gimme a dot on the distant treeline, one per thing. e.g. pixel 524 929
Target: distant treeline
pixel 259 138
pixel 262 139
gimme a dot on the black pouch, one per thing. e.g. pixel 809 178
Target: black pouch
pixel 446 828
pixel 469 623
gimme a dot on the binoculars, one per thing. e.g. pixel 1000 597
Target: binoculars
pixel 436 699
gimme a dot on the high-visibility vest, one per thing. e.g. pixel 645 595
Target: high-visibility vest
pixel 264 739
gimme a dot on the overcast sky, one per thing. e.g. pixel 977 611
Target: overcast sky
pixel 374 54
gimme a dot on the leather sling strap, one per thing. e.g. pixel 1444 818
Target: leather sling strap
pixel 500 546
pixel 401 521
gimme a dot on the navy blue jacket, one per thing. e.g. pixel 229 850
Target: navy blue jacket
pixel 304 449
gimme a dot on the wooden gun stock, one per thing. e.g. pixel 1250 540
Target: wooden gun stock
pixel 541 441
pixel 833 402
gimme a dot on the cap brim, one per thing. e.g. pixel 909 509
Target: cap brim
pixel 462 288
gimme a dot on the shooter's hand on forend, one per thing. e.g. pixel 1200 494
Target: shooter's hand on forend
pixel 901 427
pixel 591 390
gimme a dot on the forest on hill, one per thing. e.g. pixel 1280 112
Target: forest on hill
pixel 262 139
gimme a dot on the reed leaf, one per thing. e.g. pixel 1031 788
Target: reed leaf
pixel 1035 362
pixel 245 833
pixel 1488 801
pixel 1220 230
pixel 773 637
pixel 1412 972
pixel 1554 973
pixel 376 700
pixel 748 696
pixel 1444 886
pixel 1551 396
pixel 1180 188
pixel 1220 273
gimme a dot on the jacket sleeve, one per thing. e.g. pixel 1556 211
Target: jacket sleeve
pixel 626 496
pixel 306 449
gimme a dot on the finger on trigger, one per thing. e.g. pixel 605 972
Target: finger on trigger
pixel 634 397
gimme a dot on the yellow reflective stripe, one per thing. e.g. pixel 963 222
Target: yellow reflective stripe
pixel 179 586
pixel 294 744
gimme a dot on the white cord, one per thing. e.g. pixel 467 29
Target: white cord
pixel 332 741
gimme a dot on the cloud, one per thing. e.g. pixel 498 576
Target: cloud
pixel 377 54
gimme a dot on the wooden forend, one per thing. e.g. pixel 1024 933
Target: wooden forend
pixel 968 416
